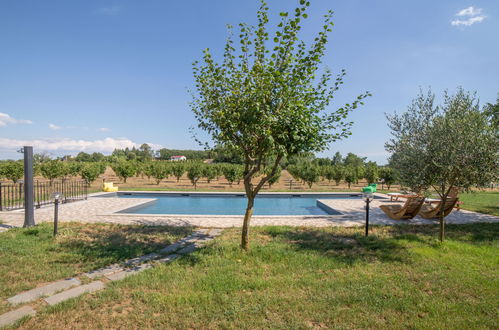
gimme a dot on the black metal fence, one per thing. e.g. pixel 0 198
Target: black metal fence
pixel 12 194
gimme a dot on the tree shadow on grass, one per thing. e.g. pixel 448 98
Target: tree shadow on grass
pixel 472 233
pixel 346 247
pixel 384 243
pixel 117 243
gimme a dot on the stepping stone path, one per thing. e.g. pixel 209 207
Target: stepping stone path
pixel 14 316
pixel 63 290
pixel 74 292
pixel 43 291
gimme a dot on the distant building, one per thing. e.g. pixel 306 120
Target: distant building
pixel 177 158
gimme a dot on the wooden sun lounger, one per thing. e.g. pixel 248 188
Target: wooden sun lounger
pixel 404 212
pixel 394 197
pixel 432 212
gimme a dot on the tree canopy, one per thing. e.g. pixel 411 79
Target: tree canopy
pixel 441 147
pixel 267 99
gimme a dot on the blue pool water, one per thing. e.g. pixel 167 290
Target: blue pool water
pixel 231 204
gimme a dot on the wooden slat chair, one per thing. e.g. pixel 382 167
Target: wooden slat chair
pixel 404 212
pixel 432 212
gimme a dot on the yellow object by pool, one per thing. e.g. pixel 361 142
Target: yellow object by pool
pixel 109 187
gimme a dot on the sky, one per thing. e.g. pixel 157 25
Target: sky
pixel 91 76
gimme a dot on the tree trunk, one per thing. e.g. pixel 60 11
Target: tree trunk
pixel 443 197
pixel 246 223
pixel 442 226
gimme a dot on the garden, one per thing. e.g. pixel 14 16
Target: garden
pixel 263 112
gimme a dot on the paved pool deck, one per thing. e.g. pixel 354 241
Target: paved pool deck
pixel 99 208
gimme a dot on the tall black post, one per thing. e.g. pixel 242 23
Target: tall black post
pixel 29 207
pixel 367 217
pixel 56 215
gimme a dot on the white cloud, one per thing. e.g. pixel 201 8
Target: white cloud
pixel 5 120
pixel 470 11
pixel 109 11
pixel 468 22
pixel 54 127
pixel 104 129
pixel 67 144
pixel 474 14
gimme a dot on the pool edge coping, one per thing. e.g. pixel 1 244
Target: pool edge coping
pixel 163 215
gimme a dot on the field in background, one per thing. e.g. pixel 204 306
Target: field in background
pixel 143 183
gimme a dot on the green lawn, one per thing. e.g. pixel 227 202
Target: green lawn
pixel 482 201
pixel 31 256
pixel 301 278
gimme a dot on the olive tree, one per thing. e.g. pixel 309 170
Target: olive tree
pixel 442 147
pixel 267 99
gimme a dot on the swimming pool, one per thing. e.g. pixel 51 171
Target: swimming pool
pixel 233 204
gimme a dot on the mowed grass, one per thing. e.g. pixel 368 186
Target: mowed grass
pixel 301 278
pixel 31 256
pixel 481 201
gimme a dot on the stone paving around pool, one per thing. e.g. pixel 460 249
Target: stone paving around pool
pixel 103 210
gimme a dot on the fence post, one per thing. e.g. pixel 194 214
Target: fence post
pixel 29 210
pixel 1 201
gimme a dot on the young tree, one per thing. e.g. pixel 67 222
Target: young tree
pixel 230 173
pixel 310 174
pixel 148 169
pixel 194 173
pixel 268 103
pixel 159 171
pixel 275 178
pixel 124 169
pixel 52 169
pixel 388 175
pixel 178 169
pixel 351 175
pixel 12 170
pixel 371 172
pixel 209 172
pixel 453 145
pixel 90 172
pixel 328 172
pixel 338 174
pixel 294 171
pixel 74 168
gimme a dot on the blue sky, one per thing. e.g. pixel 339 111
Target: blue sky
pixel 94 75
